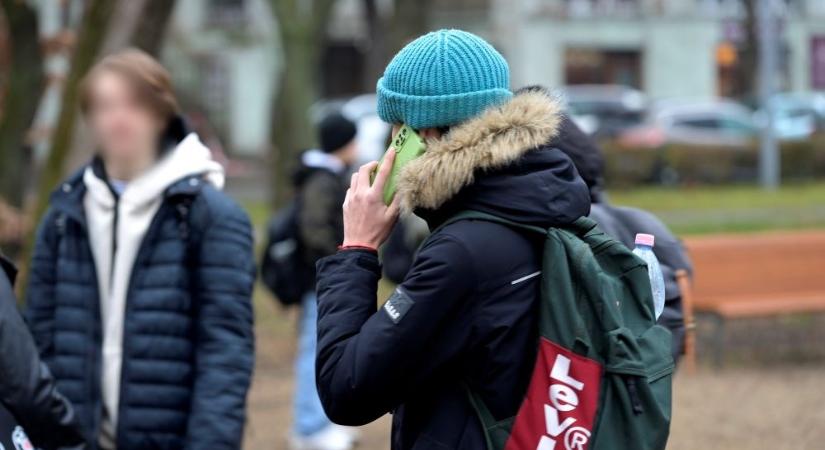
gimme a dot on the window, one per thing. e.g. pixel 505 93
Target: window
pixel 596 66
pixel 704 123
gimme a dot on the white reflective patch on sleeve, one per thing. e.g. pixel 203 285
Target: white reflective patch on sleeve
pixel 398 305
pixel 526 277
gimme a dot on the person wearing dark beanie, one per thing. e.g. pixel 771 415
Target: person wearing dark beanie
pixel 622 222
pixel 336 132
pixel 321 185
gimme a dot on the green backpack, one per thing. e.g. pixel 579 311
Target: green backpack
pixel 603 371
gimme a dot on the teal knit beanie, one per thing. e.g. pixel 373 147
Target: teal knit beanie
pixel 442 78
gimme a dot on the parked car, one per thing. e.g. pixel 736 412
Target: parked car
pixel 795 116
pixel 721 123
pixel 818 102
pixel 604 110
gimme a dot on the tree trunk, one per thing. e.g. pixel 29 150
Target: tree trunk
pixel 22 96
pixel 409 21
pixel 139 23
pixel 151 28
pixel 377 53
pixel 91 34
pixel 389 34
pixel 302 24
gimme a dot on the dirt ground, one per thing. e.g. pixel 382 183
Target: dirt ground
pixel 774 406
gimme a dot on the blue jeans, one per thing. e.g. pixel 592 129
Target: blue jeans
pixel 307 412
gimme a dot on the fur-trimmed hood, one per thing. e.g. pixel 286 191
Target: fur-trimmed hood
pixel 499 162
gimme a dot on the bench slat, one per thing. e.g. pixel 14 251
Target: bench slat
pixel 768 305
pixel 759 274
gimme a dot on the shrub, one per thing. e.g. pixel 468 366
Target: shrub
pixel 691 164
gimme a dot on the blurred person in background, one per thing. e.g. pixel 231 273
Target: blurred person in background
pixel 623 223
pixel 139 297
pixel 321 182
pixel 31 407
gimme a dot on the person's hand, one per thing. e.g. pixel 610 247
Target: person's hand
pixel 367 220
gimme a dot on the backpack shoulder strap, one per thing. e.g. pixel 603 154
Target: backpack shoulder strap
pixel 190 222
pixel 496 432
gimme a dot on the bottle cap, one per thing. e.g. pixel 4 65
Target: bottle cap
pixel 645 239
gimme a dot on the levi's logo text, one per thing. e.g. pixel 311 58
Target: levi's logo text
pixel 398 305
pixel 559 410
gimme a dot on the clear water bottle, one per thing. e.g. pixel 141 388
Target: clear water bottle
pixel 644 250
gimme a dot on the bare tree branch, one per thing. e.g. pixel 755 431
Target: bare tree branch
pixel 22 96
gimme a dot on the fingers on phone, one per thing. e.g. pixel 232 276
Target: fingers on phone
pixel 365 172
pixel 395 207
pixel 384 171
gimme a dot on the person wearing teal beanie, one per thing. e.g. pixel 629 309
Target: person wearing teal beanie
pixel 441 79
pixel 464 319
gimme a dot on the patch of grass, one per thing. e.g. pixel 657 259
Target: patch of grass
pixel 700 210
pixel 258 211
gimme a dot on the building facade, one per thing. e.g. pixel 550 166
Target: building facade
pixel 224 56
pixel 666 48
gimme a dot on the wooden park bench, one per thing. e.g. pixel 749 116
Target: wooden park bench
pixel 754 275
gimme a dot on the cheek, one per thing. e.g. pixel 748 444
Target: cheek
pixel 125 129
pixel 147 126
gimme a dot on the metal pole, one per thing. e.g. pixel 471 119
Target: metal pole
pixel 767 29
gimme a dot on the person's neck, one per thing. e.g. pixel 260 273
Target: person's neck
pixel 127 170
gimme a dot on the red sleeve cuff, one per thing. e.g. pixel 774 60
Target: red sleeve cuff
pixel 357 247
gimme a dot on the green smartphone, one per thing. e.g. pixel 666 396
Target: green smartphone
pixel 408 145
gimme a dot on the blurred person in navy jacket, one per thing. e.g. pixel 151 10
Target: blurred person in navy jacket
pixel 139 297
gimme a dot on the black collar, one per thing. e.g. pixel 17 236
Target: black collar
pixel 9 268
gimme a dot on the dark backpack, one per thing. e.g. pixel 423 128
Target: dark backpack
pixel 602 378
pixel 284 269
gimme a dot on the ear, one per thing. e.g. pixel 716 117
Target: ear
pixel 429 133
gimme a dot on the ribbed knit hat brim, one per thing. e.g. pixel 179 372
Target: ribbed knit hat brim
pixel 437 110
pixel 441 79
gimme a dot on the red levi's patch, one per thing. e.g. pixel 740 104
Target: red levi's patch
pixel 560 407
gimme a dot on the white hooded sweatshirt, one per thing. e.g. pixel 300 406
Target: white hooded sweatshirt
pixel 116 229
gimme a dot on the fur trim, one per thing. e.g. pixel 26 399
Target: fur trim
pixel 494 139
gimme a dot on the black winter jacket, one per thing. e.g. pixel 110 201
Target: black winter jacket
pixel 466 313
pixel 188 338
pixel 27 388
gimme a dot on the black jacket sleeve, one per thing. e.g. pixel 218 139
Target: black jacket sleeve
pixel 368 361
pixel 27 388
pixel 224 341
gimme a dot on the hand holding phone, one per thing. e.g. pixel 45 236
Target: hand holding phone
pixel 367 220
pixel 407 145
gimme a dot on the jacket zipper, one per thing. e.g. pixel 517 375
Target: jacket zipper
pixel 115 221
pixel 113 255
